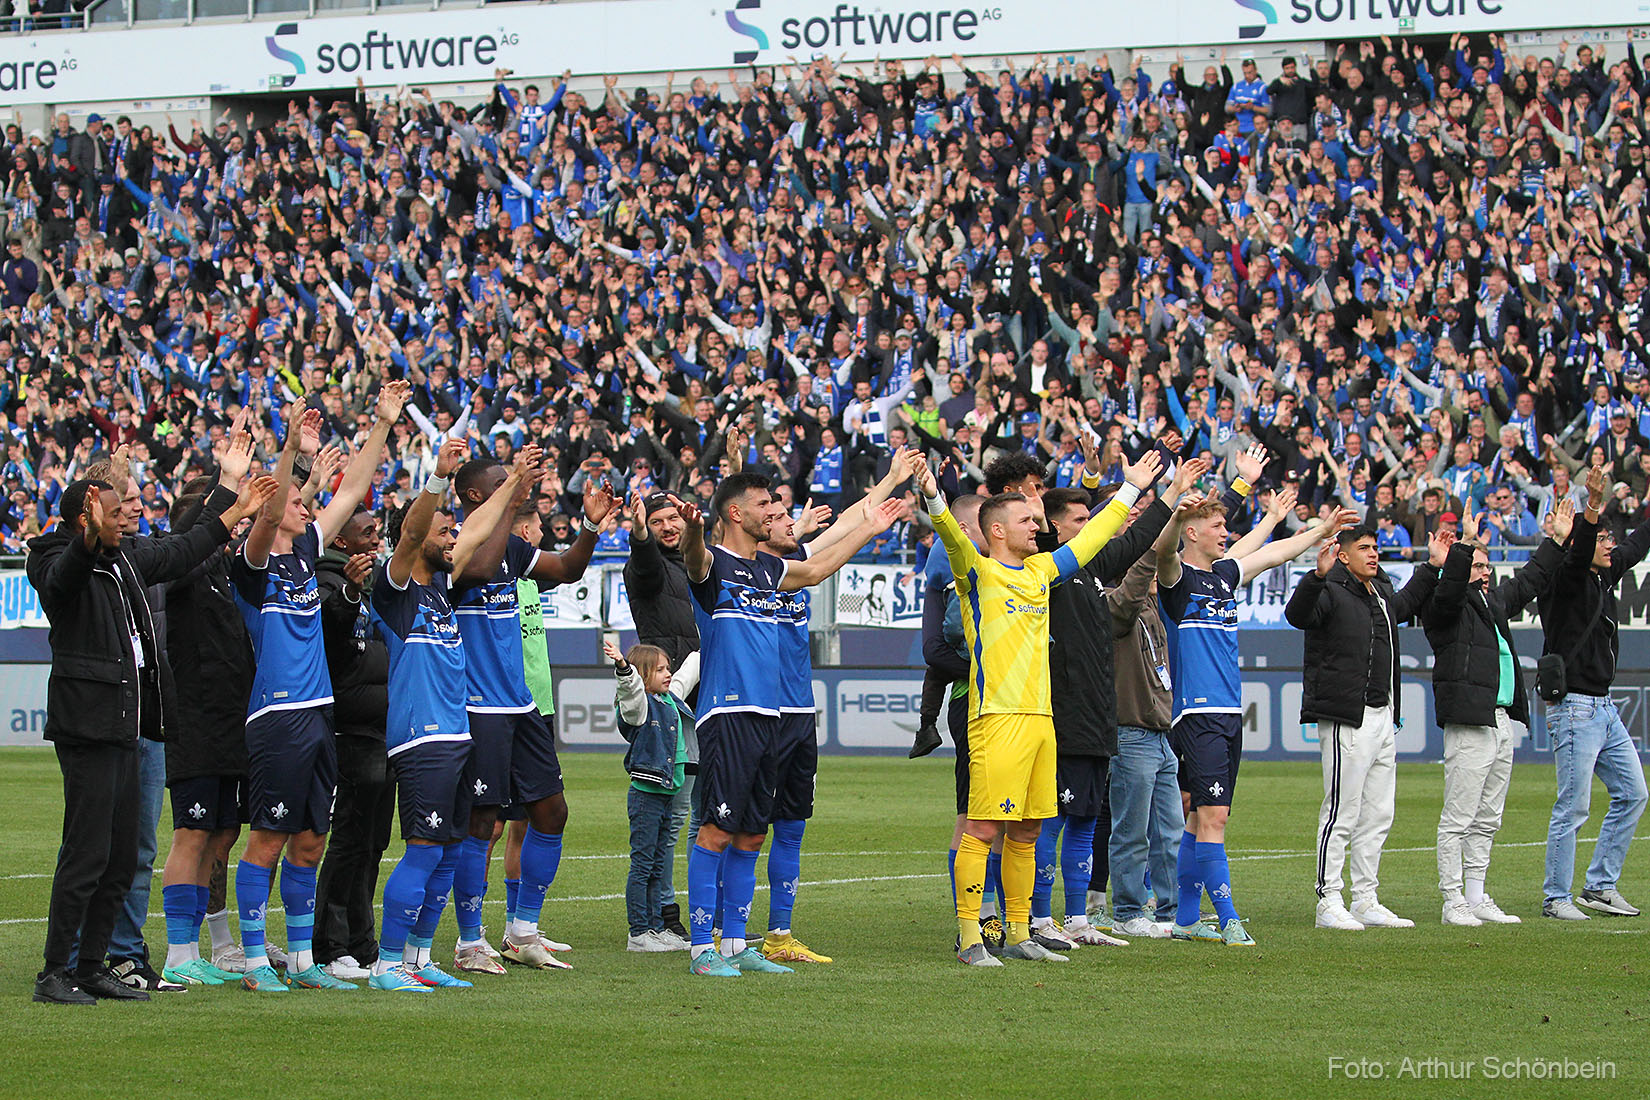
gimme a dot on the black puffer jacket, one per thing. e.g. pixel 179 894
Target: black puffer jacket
pixel 357 657
pixel 1462 621
pixel 1080 640
pixel 211 658
pixel 656 581
pixel 95 602
pixel 1338 614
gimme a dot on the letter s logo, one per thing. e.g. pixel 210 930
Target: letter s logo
pixel 755 34
pixel 1264 10
pixel 275 51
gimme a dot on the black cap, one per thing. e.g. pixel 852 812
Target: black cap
pixel 658 502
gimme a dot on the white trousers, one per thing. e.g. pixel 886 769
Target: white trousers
pixel 1360 772
pixel 1477 769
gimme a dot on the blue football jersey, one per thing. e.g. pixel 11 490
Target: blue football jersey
pixel 1200 615
pixel 796 659
pixel 281 606
pixel 739 609
pixel 426 662
pixel 490 622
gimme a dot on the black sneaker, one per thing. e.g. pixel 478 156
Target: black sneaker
pixel 928 739
pixel 57 987
pixel 138 974
pixel 991 933
pixel 671 915
pixel 103 985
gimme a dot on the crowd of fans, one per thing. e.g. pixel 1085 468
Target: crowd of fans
pixel 1414 270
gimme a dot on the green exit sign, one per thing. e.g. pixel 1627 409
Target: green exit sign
pixel 1406 24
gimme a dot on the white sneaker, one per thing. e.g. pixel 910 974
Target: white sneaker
pixel 1490 913
pixel 1332 914
pixel 646 941
pixel 674 942
pixel 277 954
pixel 1088 934
pixel 1372 914
pixel 231 959
pixel 1143 926
pixel 346 969
pixel 1460 914
pixel 1563 909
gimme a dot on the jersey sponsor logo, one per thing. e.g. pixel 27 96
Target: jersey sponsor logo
pixel 1024 608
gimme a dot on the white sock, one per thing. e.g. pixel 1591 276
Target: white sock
pixel 520 930
pixel 1078 920
pixel 779 931
pixel 301 960
pixel 1096 899
pixel 988 909
pixel 701 948
pixel 218 923
pixel 1474 889
pixel 1041 922
pixel 177 954
pixel 384 966
pixel 730 948
pixel 255 961
pixel 420 958
pixel 464 945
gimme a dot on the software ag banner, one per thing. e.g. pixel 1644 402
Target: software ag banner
pixel 633 36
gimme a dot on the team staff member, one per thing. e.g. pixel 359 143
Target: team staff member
pixel 1011 728
pixel 1478 698
pixel 358 660
pixel 1350 612
pixel 104 693
pixel 1578 620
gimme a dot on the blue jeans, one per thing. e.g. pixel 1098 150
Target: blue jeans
pixel 1146 821
pixel 680 804
pixel 1589 738
pixel 1137 218
pixel 650 853
pixel 126 942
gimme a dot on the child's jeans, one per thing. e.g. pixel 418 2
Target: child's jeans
pixel 650 850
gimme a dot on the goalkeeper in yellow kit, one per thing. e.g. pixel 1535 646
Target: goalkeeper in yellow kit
pixel 1011 753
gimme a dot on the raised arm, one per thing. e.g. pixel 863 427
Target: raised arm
pixel 358 474
pixel 1274 554
pixel 804 574
pixel 261 538
pixel 489 525
pixel 695 554
pixel 415 525
pixel 1098 531
pixel 959 549
pixel 570 564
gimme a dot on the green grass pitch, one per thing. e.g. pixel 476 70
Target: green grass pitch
pixel 895 1016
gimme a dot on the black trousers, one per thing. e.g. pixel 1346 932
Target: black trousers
pixel 363 811
pixel 99 852
pixel 1101 870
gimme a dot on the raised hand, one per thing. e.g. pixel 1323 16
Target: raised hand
pixel 1188 475
pixel 101 533
pixel 1438 546
pixel 926 483
pixel 812 520
pixel 325 468
pixel 235 459
pixel 1250 463
pixel 1564 519
pixel 450 457
pixel 309 432
pixel 1328 555
pixel 1144 474
pixel 612 652
pixel 392 399
pixel 358 568
pixel 1283 502
pixel 527 463
pixel 691 516
pixel 1469 525
pixel 254 495
pixel 598 500
pixel 1598 480
pixel 883 515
